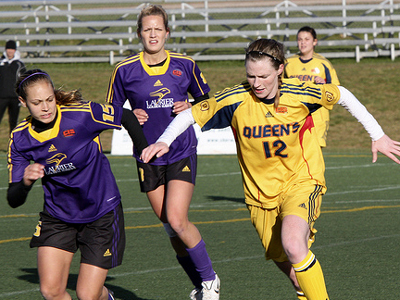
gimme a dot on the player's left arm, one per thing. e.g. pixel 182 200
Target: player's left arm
pixel 380 141
pixel 131 124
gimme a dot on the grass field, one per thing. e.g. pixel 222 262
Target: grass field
pixel 358 240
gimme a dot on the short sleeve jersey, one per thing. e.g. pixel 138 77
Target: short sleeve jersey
pixel 79 186
pixel 307 70
pixel 276 148
pixel 155 89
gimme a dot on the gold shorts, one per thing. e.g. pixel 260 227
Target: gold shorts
pixel 302 201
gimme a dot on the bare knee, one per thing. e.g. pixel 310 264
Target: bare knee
pixel 86 294
pixel 295 251
pixel 53 293
pixel 179 225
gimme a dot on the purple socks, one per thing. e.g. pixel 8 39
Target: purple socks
pixel 201 261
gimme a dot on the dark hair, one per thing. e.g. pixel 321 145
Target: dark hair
pixel 152 10
pixel 268 49
pixel 11 45
pixel 308 29
pixel 33 76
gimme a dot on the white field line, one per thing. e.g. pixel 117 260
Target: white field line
pixel 135 273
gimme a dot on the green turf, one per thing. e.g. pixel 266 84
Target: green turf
pixel 357 242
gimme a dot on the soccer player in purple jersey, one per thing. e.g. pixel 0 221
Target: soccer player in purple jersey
pixel 59 144
pixel 156 82
pixel 279 155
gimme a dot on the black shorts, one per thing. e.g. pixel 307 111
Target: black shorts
pixel 101 243
pixel 152 176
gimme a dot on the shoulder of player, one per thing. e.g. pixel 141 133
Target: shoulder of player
pixel 76 106
pixel 129 61
pixel 23 125
pixel 234 94
pixel 293 58
pixel 293 86
pixel 296 88
pixel 322 59
pixel 179 56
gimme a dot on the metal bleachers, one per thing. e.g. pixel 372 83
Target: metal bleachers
pixel 104 30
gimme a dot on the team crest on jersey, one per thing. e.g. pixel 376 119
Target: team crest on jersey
pixel 315 70
pixel 161 101
pixel 329 96
pixel 204 106
pixel 160 93
pixel 281 110
pixel 56 166
pixel 177 73
pixel 68 132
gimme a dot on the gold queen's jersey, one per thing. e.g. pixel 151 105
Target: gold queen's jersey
pixel 276 148
pixel 307 71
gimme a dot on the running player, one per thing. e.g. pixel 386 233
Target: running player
pixel 156 83
pixel 279 155
pixel 310 66
pixel 82 203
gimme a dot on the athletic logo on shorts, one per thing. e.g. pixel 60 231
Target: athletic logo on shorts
pixel 107 253
pixel 38 229
pixel 186 169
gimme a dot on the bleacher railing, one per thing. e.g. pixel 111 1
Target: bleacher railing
pixel 104 30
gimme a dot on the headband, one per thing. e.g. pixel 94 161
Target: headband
pixel 263 53
pixel 33 74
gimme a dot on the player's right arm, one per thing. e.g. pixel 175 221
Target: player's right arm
pixel 18 192
pixel 178 125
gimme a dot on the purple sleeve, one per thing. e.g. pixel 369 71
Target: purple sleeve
pixel 106 116
pixel 116 92
pixel 198 86
pixel 16 164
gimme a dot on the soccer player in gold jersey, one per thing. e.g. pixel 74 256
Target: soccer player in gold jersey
pixel 308 65
pixel 279 155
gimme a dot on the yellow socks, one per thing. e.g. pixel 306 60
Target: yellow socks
pixel 311 279
pixel 300 296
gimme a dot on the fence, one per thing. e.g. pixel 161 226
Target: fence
pixel 104 30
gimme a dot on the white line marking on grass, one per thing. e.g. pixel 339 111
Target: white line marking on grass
pixel 356 166
pixel 344 243
pixel 368 201
pixel 363 190
pixel 5 295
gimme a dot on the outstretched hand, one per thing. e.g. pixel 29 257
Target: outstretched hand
pixel 386 146
pixel 157 150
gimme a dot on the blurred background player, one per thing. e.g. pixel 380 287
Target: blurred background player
pixel 156 83
pixel 310 66
pixel 280 159
pixel 59 143
pixel 11 67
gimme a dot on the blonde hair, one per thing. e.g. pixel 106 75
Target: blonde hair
pixel 152 10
